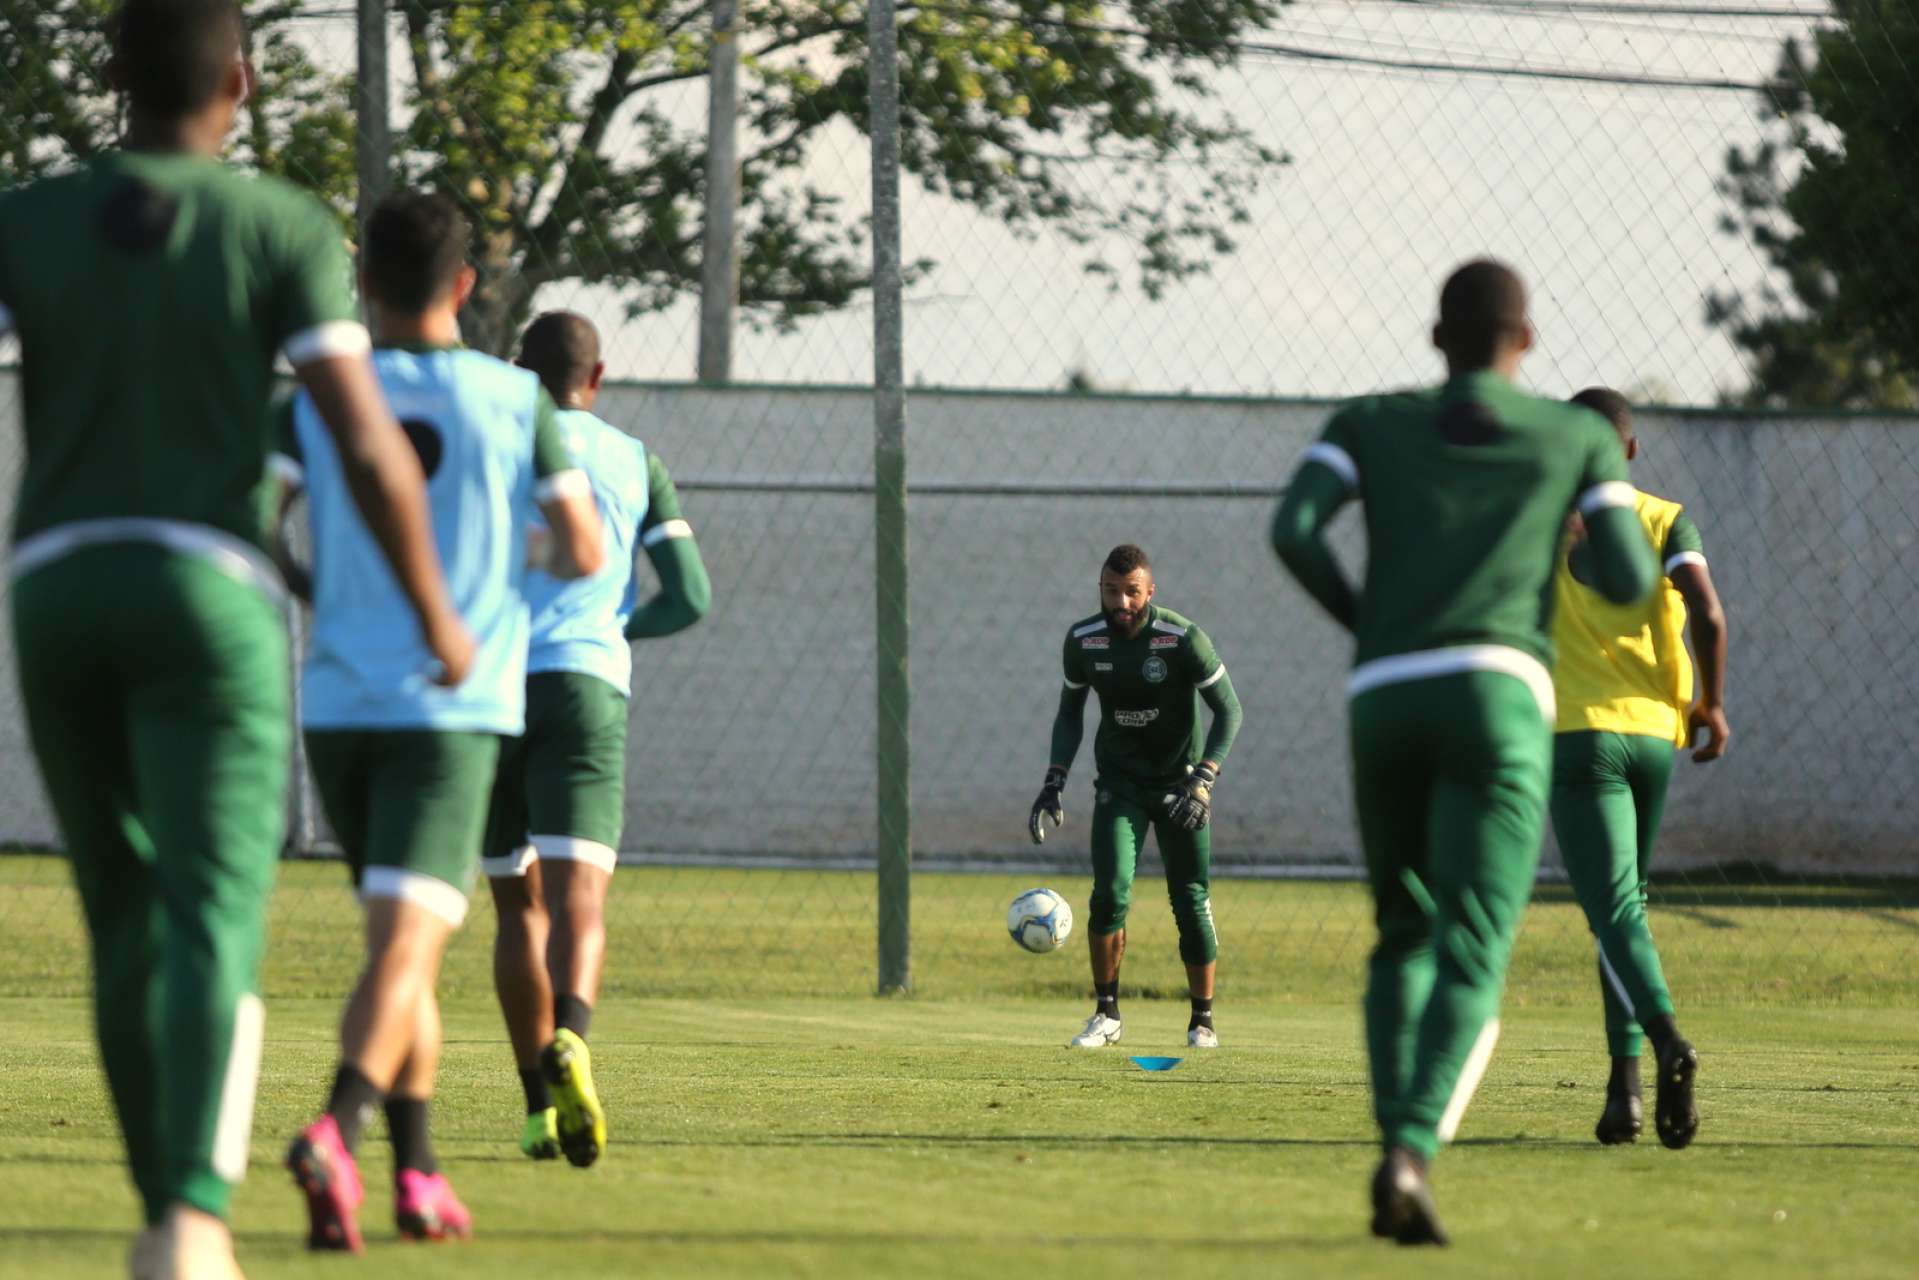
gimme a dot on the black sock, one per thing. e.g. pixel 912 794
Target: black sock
pixel 351 1104
pixel 570 1013
pixel 1108 993
pixel 1625 1078
pixel 1662 1031
pixel 406 1126
pixel 534 1085
pixel 1202 1014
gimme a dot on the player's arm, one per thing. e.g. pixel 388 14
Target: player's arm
pixel 1623 564
pixel 1685 565
pixel 1327 478
pixel 316 323
pixel 685 594
pixel 287 470
pixel 1069 727
pixel 575 543
pixel 1191 803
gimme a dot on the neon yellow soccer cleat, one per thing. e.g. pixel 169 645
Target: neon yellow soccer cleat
pixel 568 1069
pixel 540 1140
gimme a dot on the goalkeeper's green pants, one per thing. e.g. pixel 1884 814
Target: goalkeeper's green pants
pixel 1609 790
pixel 1450 774
pixel 157 698
pixel 1122 815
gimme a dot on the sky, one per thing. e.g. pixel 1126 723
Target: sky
pixel 1603 195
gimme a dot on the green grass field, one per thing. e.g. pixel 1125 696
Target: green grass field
pixel 795 1126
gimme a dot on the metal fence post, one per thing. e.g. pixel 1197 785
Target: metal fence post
pixel 889 512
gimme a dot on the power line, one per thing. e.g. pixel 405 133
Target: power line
pixel 1618 8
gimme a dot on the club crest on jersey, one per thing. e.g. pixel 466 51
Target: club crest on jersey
pixel 1163 642
pixel 1096 642
pixel 1154 670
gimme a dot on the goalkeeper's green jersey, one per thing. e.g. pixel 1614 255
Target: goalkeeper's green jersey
pixel 151 293
pixel 1148 687
pixel 1466 489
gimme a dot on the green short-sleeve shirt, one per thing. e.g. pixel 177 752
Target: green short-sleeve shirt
pixel 151 293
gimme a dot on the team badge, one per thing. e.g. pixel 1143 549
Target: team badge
pixel 1154 670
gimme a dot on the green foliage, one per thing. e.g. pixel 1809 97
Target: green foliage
pixel 564 126
pixel 1833 204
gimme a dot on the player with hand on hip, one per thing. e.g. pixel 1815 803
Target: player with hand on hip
pixel 151 288
pixel 403 766
pixel 1466 489
pixel 1624 686
pixel 1151 668
pixel 559 799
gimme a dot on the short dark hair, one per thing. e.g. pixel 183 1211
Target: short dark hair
pixel 416 243
pixel 1481 304
pixel 562 347
pixel 1610 405
pixel 1125 558
pixel 170 55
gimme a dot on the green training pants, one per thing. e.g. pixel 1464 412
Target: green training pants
pixel 1609 791
pixel 157 698
pixel 1121 820
pixel 1450 774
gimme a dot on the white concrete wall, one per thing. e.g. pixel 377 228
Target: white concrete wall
pixel 754 733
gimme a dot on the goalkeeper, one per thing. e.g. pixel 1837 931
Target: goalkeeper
pixel 1151 668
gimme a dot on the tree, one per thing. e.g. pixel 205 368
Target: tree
pixel 555 121
pixel 1833 204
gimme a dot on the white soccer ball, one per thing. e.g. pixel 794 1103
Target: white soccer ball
pixel 1039 920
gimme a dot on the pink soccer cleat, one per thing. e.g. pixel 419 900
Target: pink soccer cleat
pixel 323 1168
pixel 425 1208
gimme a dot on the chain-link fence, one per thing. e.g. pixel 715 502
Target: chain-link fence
pixel 1211 207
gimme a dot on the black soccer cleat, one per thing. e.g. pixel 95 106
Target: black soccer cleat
pixel 1674 1114
pixel 1403 1208
pixel 1622 1119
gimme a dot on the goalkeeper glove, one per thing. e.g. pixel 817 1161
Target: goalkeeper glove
pixel 1047 806
pixel 1190 804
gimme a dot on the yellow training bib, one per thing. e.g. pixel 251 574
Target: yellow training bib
pixel 1623 668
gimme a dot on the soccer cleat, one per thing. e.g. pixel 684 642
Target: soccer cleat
pixel 1621 1120
pixel 1098 1032
pixel 540 1140
pixel 425 1208
pixel 1202 1038
pixel 568 1069
pixel 1674 1114
pixel 323 1168
pixel 1403 1208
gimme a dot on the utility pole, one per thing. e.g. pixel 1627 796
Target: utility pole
pixel 720 252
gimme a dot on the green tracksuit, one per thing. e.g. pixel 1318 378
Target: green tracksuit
pixel 150 293
pixel 1150 686
pixel 1466 488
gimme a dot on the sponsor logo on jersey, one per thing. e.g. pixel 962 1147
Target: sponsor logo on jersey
pixel 1163 642
pixel 1155 669
pixel 1096 642
pixel 1135 719
pixel 1102 666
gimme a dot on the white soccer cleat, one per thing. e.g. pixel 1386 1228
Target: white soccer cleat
pixel 1099 1032
pixel 1202 1038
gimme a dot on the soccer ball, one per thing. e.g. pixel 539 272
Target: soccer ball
pixel 1039 920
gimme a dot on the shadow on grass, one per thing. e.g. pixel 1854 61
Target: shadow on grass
pixel 279 1241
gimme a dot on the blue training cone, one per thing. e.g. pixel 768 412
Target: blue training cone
pixel 1156 1064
